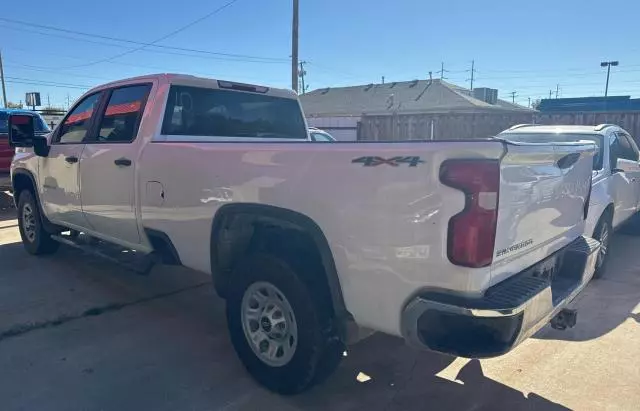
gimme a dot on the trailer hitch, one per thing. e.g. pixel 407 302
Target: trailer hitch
pixel 566 318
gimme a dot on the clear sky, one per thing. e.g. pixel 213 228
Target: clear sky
pixel 527 47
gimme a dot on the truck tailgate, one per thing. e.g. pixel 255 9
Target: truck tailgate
pixel 541 204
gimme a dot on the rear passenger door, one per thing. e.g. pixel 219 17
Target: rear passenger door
pixel 107 169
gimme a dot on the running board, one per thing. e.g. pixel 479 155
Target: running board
pixel 129 259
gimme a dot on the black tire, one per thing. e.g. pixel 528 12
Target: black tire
pixel 34 237
pixel 318 351
pixel 603 233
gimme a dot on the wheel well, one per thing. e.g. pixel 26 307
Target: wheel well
pixel 163 247
pixel 21 181
pixel 239 229
pixel 608 211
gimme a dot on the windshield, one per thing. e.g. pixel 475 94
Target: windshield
pixel 38 123
pixel 550 138
pixel 194 111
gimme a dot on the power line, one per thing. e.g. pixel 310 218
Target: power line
pixel 45 85
pixel 52 82
pixel 220 56
pixel 36 68
pixel 442 71
pixel 172 33
pixel 473 71
pixel 302 73
pixel 164 49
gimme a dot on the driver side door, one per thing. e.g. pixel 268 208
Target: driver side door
pixel 59 171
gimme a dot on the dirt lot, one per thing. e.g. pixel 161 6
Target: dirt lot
pixel 77 333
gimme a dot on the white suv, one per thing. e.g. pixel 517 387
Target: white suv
pixel 615 192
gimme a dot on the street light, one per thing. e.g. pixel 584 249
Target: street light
pixel 608 65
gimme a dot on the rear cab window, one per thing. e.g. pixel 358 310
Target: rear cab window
pixel 235 114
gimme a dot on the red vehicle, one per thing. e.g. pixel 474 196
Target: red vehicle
pixel 6 152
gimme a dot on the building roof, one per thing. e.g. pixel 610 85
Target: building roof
pixel 417 96
pixel 586 104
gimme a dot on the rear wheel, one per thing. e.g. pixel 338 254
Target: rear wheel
pixel 603 233
pixel 34 237
pixel 278 327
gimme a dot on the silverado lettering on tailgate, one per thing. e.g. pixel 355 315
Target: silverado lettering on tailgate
pixel 514 247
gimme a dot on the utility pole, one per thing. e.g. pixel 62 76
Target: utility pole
pixel 550 93
pixel 382 79
pixel 4 89
pixel 608 65
pixel 529 102
pixel 557 90
pixel 48 100
pixel 294 47
pixel 303 73
pixel 473 70
pixel 513 97
pixel 68 102
pixel 442 71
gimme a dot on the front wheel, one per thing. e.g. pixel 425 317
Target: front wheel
pixel 602 233
pixel 278 326
pixel 34 237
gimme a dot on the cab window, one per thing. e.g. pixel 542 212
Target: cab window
pixel 75 126
pixel 119 123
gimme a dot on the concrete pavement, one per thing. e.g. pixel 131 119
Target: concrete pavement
pixel 78 333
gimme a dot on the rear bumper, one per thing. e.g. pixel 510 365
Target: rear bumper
pixel 508 313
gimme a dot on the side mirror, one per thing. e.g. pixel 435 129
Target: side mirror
pixel 21 130
pixel 619 168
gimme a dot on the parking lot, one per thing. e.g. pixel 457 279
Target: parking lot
pixel 78 333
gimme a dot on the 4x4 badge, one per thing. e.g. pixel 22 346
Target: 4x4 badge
pixel 371 161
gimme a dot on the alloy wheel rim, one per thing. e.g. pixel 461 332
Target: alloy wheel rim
pixel 29 222
pixel 269 324
pixel 604 245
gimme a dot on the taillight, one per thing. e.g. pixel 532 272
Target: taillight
pixel 472 232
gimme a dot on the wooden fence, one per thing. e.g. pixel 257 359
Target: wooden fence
pixel 447 126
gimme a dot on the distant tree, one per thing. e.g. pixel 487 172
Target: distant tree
pixel 14 105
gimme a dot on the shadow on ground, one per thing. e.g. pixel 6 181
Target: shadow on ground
pixel 6 203
pixel 88 334
pixel 609 301
pixel 405 379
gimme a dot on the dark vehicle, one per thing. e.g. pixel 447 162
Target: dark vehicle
pixel 6 152
pixel 319 135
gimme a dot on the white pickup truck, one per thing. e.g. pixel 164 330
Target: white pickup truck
pixel 462 247
pixel 615 195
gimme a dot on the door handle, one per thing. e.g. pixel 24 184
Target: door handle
pixel 125 162
pixel 71 159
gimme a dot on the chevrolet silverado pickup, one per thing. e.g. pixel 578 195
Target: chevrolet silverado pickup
pixel 462 247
